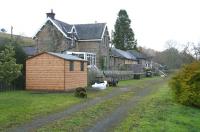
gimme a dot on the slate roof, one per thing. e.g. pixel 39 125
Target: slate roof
pixel 30 50
pixel 90 31
pixel 63 26
pixel 84 31
pixel 66 56
pixel 122 54
pixel 137 54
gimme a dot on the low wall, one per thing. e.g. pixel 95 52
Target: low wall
pixel 123 75
pixel 97 75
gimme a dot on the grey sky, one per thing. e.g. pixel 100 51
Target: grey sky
pixel 153 21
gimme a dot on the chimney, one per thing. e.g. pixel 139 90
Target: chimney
pixel 51 14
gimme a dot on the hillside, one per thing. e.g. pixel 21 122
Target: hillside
pixel 27 41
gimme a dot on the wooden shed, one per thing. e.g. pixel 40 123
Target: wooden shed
pixel 54 71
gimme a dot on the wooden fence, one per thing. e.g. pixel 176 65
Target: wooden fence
pixel 5 87
pixel 132 72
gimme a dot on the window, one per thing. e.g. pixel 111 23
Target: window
pixel 81 56
pixel 72 42
pixel 82 66
pixel 91 58
pixel 71 66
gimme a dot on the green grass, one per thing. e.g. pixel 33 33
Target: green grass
pixel 140 82
pixel 98 93
pixel 159 112
pixel 17 107
pixel 20 106
pixel 85 118
pixel 27 41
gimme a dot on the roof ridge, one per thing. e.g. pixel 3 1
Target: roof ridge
pixel 80 23
pixel 89 31
pixel 63 22
pixel 90 23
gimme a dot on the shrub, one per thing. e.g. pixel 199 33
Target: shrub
pixel 81 92
pixel 186 85
pixel 9 70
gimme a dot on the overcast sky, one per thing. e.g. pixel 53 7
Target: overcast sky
pixel 153 21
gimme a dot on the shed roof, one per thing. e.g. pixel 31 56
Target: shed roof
pixel 122 54
pixel 59 55
pixel 66 56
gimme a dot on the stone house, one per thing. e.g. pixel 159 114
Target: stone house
pixel 140 57
pixel 120 58
pixel 57 36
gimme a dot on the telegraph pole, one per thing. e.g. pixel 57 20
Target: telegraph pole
pixel 11 32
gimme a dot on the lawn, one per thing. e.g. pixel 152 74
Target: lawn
pixel 85 118
pixel 20 106
pixel 159 112
pixel 156 112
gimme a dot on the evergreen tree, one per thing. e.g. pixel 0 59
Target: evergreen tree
pixel 9 70
pixel 20 57
pixel 123 36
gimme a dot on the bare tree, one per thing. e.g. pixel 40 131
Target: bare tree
pixel 174 58
pixel 196 50
pixel 171 44
pixel 187 48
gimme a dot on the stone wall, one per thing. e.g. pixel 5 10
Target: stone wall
pixel 51 40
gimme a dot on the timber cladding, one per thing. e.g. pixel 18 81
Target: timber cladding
pixel 48 72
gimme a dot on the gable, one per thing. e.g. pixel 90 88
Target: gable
pixel 82 32
pixel 56 55
pixel 38 58
pixel 64 28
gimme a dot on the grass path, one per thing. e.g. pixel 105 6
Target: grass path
pixel 41 121
pixel 86 119
pixel 118 114
pixel 19 107
pixel 158 112
pixel 78 121
pixel 135 105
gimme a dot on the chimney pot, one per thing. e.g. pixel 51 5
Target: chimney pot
pixel 51 14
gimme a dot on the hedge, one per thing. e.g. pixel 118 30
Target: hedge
pixel 185 85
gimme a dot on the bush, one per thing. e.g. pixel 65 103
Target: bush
pixel 186 85
pixel 81 92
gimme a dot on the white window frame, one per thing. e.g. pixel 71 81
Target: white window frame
pixel 90 57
